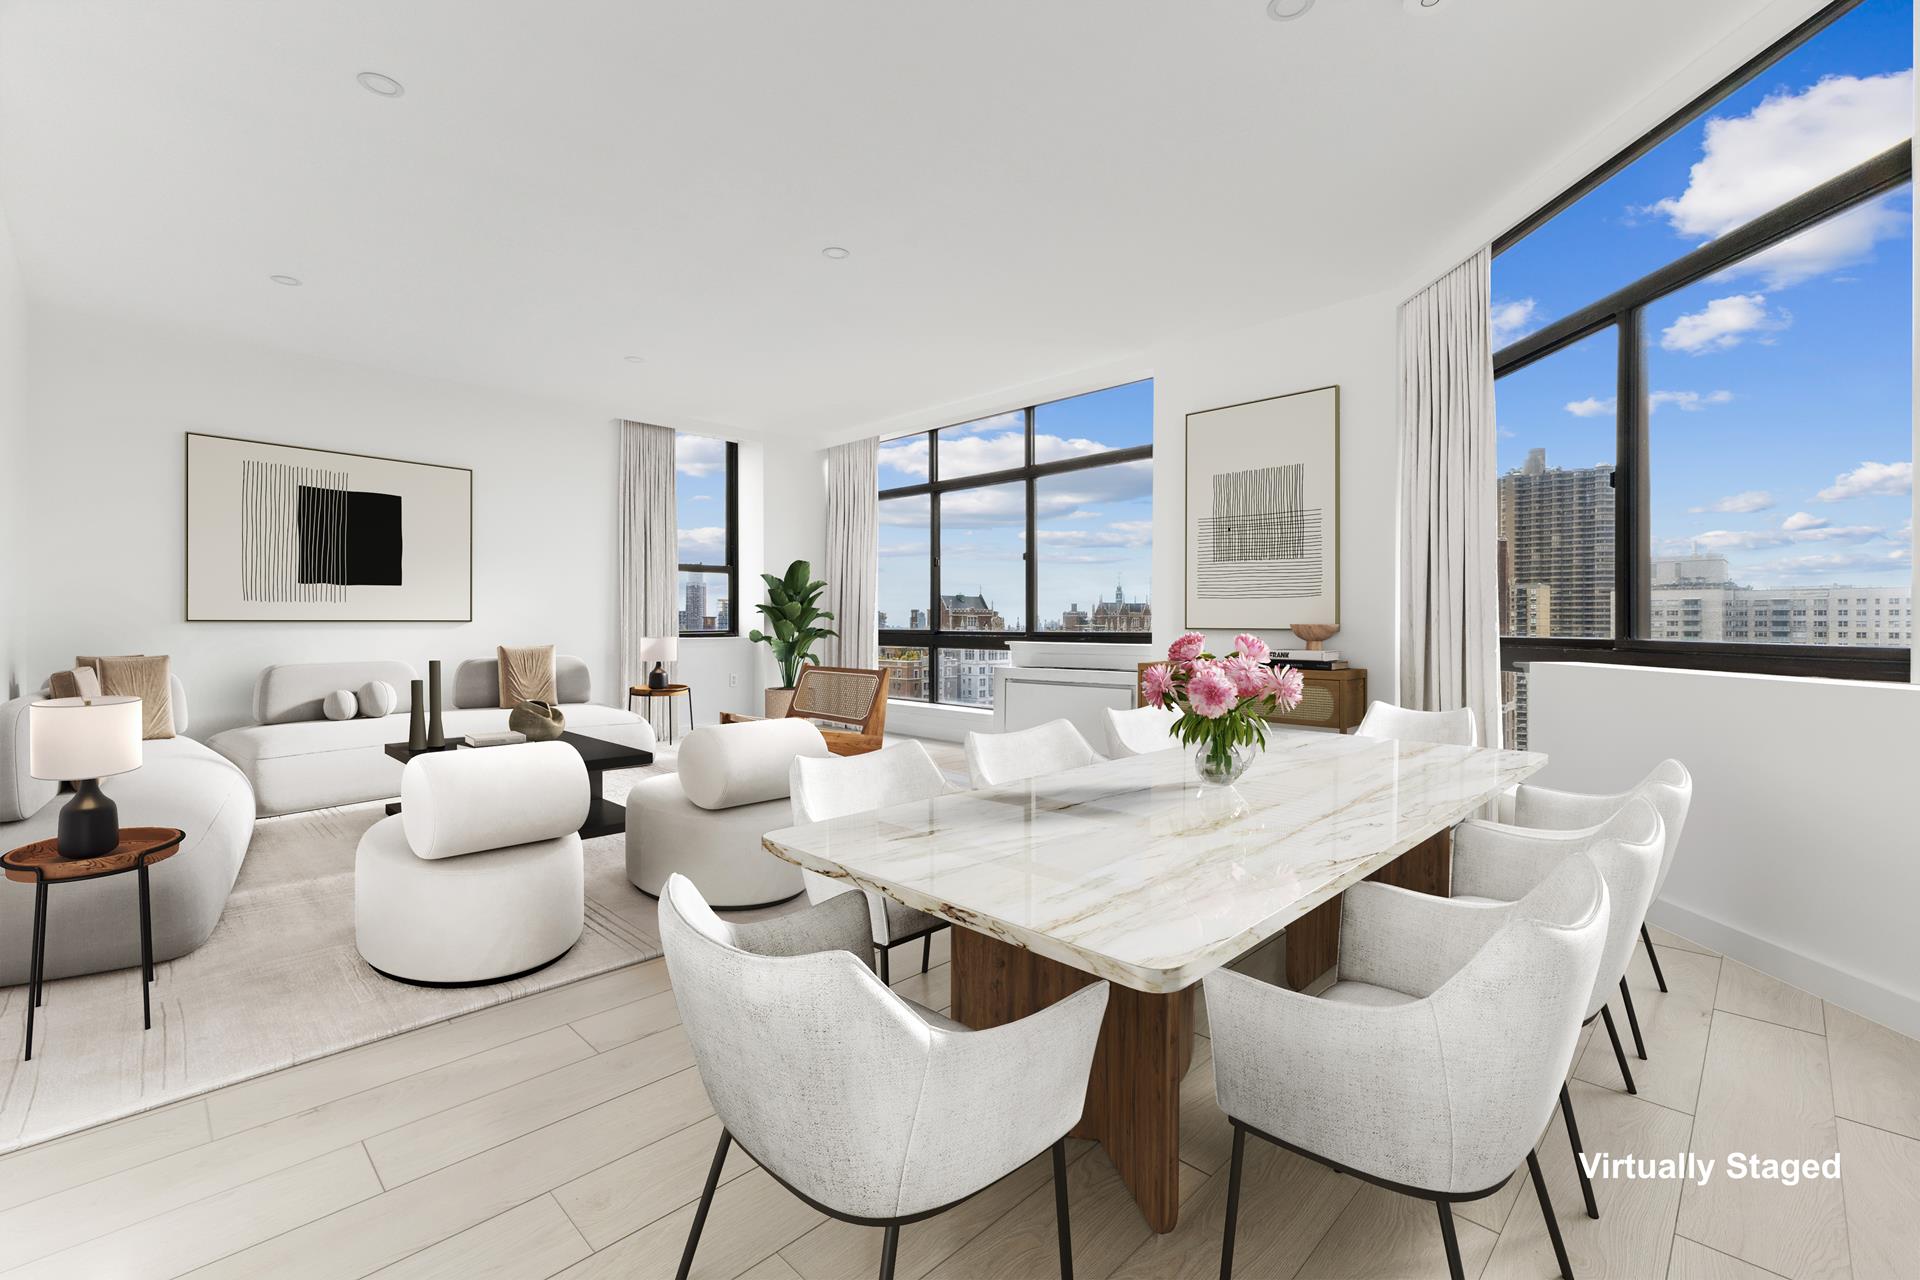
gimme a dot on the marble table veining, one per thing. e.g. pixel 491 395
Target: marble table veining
pixel 1129 870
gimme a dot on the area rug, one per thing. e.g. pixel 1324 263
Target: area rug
pixel 278 983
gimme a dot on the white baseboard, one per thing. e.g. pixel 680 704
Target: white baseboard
pixel 1869 999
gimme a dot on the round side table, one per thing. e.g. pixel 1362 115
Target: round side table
pixel 669 692
pixel 41 865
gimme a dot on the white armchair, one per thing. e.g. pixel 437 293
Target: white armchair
pixel 994 758
pixel 1139 730
pixel 868 1108
pixel 1492 862
pixel 1449 728
pixel 1669 788
pixel 832 786
pixel 1430 1067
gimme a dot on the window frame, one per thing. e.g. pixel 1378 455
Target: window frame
pixel 932 638
pixel 1623 310
pixel 732 567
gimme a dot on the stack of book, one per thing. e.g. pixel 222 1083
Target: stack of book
pixel 1310 659
pixel 505 738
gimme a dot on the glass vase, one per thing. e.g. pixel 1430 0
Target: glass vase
pixel 1217 770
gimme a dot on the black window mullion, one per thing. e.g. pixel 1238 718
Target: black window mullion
pixel 934 618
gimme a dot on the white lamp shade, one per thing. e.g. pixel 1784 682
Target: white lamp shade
pixel 74 738
pixel 660 649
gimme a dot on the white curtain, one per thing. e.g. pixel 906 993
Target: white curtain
pixel 1449 624
pixel 852 571
pixel 649 540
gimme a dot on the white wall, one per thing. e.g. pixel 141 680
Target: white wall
pixel 13 393
pixel 1801 855
pixel 102 473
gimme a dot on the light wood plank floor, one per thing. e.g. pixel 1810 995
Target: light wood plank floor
pixel 567 1134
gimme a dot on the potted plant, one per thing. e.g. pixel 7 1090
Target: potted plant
pixel 1223 702
pixel 792 610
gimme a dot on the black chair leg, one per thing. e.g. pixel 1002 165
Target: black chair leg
pixel 926 952
pixel 36 959
pixel 1619 1054
pixel 1646 940
pixel 1633 1022
pixel 1061 1224
pixel 889 1251
pixel 706 1203
pixel 1579 1165
pixel 1233 1201
pixel 1546 1210
pixel 1454 1268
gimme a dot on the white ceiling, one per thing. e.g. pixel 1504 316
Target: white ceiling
pixel 1027 186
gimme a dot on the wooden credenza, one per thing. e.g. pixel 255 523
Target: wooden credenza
pixel 1333 700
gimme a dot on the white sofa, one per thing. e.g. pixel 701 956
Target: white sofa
pixel 297 759
pixel 705 821
pixel 91 926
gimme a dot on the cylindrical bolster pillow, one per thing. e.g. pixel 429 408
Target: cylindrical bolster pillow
pixel 340 705
pixel 468 801
pixel 723 766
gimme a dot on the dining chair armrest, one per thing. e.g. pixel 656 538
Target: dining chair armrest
pixel 1411 942
pixel 1546 809
pixel 1492 860
pixel 1363 1085
pixel 735 717
pixel 840 923
pixel 994 1099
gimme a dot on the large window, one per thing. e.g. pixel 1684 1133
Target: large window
pixel 1035 524
pixel 1705 380
pixel 709 535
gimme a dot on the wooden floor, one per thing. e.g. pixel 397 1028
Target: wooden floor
pixel 566 1134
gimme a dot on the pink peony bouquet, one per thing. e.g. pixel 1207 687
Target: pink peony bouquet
pixel 1223 702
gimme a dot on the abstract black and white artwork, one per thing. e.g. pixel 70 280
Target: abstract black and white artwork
pixel 1263 513
pixel 291 533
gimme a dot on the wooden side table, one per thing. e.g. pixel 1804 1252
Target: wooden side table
pixel 668 692
pixel 1334 700
pixel 41 865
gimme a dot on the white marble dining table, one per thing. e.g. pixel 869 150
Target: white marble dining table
pixel 1131 871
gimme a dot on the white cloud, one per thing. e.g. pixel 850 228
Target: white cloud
pixel 1829 564
pixel 1788 144
pixel 1903 534
pixel 703 546
pixel 1802 520
pixel 1795 528
pixel 1870 479
pixel 701 497
pixel 1513 320
pixel 1687 401
pixel 968 450
pixel 1739 503
pixel 699 455
pixel 1724 323
pixel 908 455
pixel 1591 407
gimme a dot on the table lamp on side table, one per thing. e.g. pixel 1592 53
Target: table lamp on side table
pixel 661 650
pixel 82 740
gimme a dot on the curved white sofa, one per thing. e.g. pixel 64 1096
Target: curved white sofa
pixel 297 759
pixel 92 927
pixel 705 821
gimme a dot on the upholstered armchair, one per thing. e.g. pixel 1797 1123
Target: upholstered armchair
pixel 867 1107
pixel 1139 730
pixel 1447 728
pixel 853 697
pixel 1430 1067
pixel 994 758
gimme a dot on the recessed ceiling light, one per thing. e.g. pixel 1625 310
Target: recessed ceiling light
pixel 634 359
pixel 1288 10
pixel 836 252
pixel 385 86
pixel 291 281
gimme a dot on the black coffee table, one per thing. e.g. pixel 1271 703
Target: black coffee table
pixel 604 816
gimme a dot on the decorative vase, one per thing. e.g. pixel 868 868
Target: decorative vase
pixel 417 717
pixel 539 721
pixel 1217 772
pixel 778 701
pixel 436 731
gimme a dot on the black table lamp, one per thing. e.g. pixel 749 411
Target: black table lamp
pixel 82 740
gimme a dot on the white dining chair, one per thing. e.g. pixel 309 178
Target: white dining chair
pixel 994 758
pixel 1493 862
pixel 1670 790
pixel 1139 730
pixel 834 786
pixel 869 1108
pixel 1430 1066
pixel 1455 728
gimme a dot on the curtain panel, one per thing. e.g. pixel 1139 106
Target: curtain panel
pixel 649 561
pixel 1449 623
pixel 853 553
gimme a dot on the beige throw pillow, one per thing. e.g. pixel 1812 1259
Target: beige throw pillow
pixel 527 674
pixel 145 679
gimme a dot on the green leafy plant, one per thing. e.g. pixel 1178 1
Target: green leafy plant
pixel 792 609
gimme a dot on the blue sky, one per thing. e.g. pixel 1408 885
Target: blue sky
pixel 1782 389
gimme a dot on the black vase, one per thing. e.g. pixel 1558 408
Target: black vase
pixel 417 719
pixel 436 732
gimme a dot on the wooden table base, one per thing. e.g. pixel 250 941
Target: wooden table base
pixel 1145 1048
pixel 1313 941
